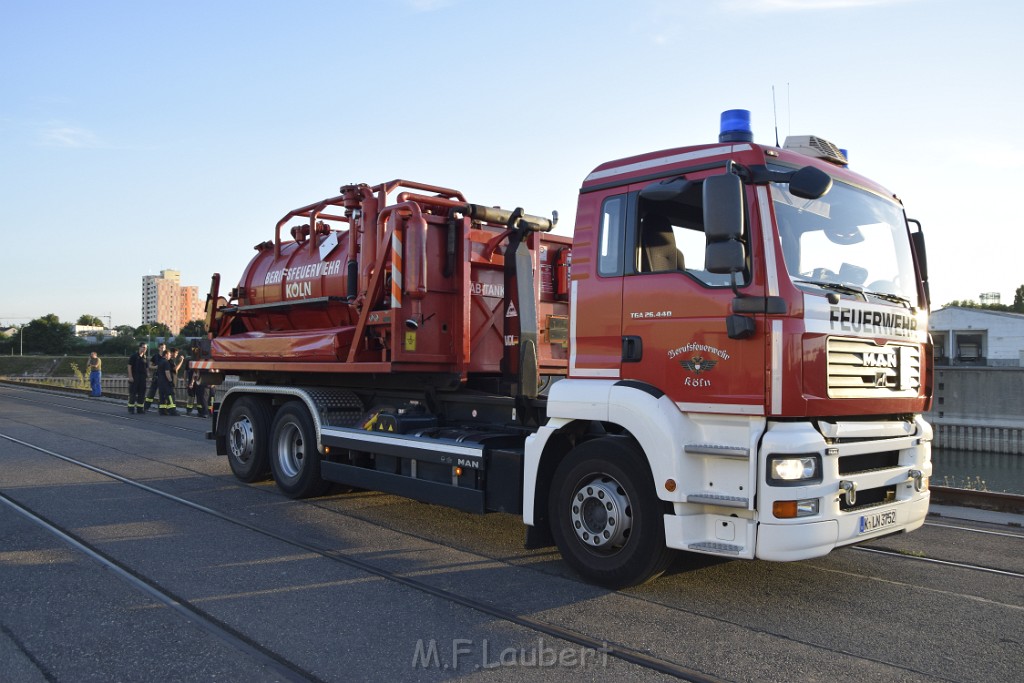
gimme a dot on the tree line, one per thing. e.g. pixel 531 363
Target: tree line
pixel 1016 307
pixel 47 335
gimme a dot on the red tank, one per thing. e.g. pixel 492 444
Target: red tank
pixel 426 291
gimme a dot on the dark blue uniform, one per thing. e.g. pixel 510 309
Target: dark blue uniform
pixel 137 387
pixel 165 387
pixel 154 362
pixel 197 392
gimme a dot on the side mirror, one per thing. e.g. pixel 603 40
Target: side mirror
pixel 810 183
pixel 917 241
pixel 725 257
pixel 917 238
pixel 724 224
pixel 723 208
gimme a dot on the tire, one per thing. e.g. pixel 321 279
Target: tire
pixel 605 515
pixel 295 454
pixel 248 434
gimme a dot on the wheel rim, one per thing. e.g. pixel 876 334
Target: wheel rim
pixel 291 450
pixel 601 514
pixel 241 440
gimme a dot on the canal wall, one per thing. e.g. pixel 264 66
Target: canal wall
pixel 979 409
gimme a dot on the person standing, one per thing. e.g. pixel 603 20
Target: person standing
pixel 154 384
pixel 190 377
pixel 196 388
pixel 176 361
pixel 95 366
pixel 165 384
pixel 138 367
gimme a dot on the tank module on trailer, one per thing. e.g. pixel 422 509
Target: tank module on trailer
pixel 729 357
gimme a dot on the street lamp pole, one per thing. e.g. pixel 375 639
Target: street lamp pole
pixel 22 335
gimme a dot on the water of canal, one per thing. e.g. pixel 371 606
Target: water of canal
pixel 1001 472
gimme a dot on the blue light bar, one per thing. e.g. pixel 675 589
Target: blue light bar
pixel 735 126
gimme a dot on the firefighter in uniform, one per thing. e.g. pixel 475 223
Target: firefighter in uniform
pixel 138 367
pixel 154 384
pixel 165 384
pixel 176 362
pixel 190 379
pixel 196 388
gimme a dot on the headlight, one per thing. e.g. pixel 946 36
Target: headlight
pixel 793 470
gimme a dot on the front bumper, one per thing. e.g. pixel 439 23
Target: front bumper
pixel 800 540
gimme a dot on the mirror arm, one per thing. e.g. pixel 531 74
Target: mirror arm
pixel 761 174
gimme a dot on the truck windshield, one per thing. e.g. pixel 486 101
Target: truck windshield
pixel 850 241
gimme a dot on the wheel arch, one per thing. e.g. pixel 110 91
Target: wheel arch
pixel 272 397
pixel 631 408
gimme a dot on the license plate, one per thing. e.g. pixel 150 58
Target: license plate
pixel 877 521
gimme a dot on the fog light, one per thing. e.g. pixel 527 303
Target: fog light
pixel 789 509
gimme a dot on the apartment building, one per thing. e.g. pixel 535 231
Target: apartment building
pixel 165 300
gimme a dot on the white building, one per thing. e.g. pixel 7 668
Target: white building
pixel 977 336
pixel 93 333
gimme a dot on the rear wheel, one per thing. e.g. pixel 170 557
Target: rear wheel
pixel 606 517
pixel 294 453
pixel 247 436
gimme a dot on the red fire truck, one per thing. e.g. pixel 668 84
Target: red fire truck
pixel 729 357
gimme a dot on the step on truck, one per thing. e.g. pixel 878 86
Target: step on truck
pixel 728 357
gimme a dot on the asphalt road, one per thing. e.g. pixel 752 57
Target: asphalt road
pixel 177 571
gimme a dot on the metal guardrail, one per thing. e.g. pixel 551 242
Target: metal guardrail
pixel 112 387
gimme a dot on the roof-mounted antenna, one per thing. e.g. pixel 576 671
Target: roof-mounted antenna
pixel 775 113
pixel 789 113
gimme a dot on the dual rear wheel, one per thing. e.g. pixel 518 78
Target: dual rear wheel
pixel 284 445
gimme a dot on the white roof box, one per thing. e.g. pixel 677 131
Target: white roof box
pixel 816 147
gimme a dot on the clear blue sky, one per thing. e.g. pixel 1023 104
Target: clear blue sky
pixel 137 136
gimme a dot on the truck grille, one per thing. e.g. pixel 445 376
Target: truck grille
pixel 860 368
pixel 868 462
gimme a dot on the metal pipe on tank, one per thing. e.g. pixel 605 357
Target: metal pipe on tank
pixel 370 239
pixel 304 212
pixel 390 187
pixel 499 216
pixel 413 278
pixel 367 243
pixel 440 202
pixel 415 275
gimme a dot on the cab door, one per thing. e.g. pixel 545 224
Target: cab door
pixel 596 285
pixel 674 330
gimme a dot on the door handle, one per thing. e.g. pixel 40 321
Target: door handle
pixel 632 349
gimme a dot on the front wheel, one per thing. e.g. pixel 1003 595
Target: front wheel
pixel 294 453
pixel 606 517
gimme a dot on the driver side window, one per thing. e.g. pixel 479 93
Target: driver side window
pixel 670 237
